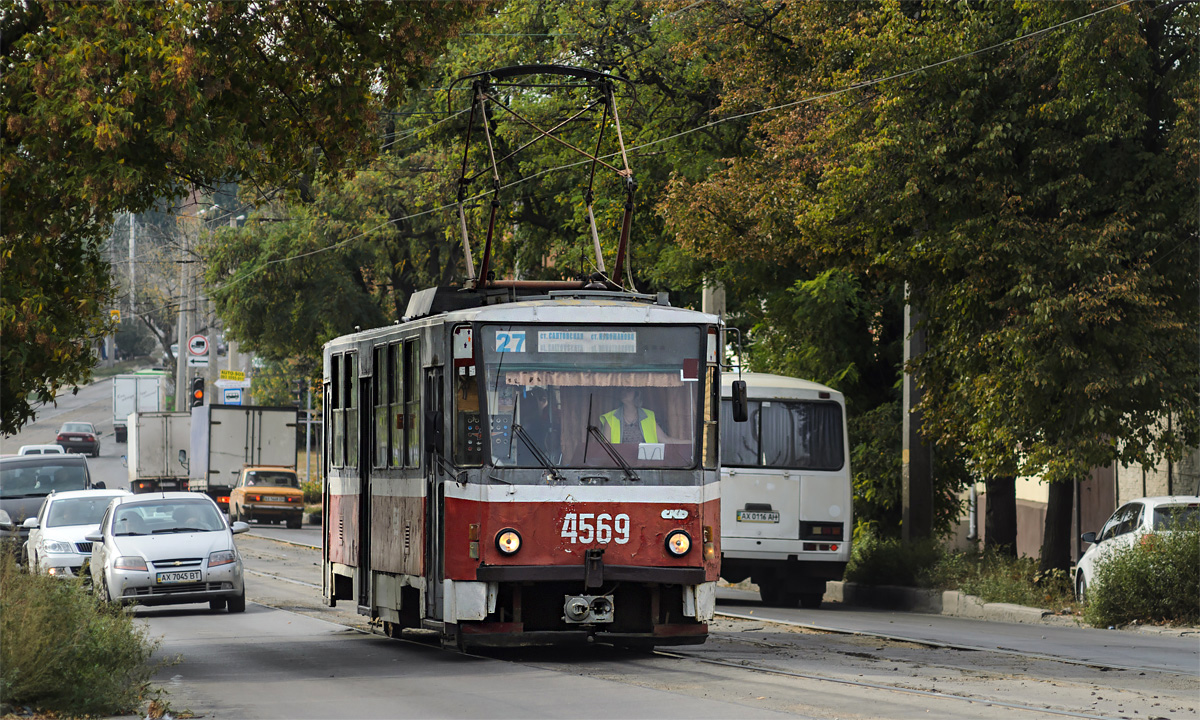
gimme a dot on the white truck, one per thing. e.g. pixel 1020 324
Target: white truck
pixel 135 393
pixel 155 439
pixel 225 438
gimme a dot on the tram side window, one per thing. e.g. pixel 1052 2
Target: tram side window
pixel 412 401
pixel 337 438
pixel 350 394
pixel 396 398
pixel 379 390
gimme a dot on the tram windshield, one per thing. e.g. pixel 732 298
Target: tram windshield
pixel 587 396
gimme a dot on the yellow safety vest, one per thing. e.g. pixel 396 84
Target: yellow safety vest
pixel 649 426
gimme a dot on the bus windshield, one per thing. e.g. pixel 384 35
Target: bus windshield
pixel 587 396
pixel 785 434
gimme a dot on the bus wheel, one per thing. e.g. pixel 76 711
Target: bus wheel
pixel 771 592
pixel 810 601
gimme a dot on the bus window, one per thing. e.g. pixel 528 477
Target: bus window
pixel 739 440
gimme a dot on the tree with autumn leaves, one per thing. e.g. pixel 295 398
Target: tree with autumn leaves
pixel 112 106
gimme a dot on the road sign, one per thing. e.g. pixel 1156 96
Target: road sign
pixel 232 396
pixel 115 315
pixel 233 375
pixel 198 345
pixel 198 361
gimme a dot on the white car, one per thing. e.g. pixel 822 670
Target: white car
pixel 168 549
pixel 41 450
pixel 57 543
pixel 1128 524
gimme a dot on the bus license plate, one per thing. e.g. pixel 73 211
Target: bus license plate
pixel 179 576
pixel 757 516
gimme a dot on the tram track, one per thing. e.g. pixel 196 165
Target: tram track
pixel 1095 665
pixel 878 686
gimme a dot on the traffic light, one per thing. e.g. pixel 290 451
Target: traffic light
pixel 197 391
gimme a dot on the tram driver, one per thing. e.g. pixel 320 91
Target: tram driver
pixel 632 423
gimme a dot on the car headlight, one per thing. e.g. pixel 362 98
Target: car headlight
pixel 130 562
pixel 508 541
pixel 221 557
pixel 678 543
pixel 56 546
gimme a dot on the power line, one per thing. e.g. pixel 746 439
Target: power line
pixel 720 121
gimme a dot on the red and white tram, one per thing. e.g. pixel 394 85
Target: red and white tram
pixel 527 471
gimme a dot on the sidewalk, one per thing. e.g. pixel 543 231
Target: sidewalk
pixel 957 604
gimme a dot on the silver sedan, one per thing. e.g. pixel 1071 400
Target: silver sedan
pixel 168 549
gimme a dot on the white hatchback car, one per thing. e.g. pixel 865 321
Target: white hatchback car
pixel 57 543
pixel 1130 522
pixel 168 549
pixel 41 450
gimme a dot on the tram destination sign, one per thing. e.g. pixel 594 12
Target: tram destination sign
pixel 587 341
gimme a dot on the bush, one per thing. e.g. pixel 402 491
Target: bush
pixel 876 560
pixel 312 492
pixel 63 651
pixel 1154 580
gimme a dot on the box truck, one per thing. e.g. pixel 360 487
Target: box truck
pixel 226 438
pixel 134 393
pixel 155 439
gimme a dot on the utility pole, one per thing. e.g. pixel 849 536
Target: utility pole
pixel 183 331
pixel 916 458
pixel 308 439
pixel 132 266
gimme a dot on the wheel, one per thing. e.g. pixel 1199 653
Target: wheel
pixel 217 604
pixel 392 630
pixel 104 595
pixel 238 604
pixel 771 592
pixel 1080 588
pixel 810 601
pixel 294 523
pixel 96 452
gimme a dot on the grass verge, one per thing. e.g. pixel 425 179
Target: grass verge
pixel 64 652
pixel 986 574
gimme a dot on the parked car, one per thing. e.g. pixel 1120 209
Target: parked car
pixel 41 450
pixel 79 437
pixel 26 480
pixel 167 549
pixel 57 544
pixel 268 494
pixel 1129 524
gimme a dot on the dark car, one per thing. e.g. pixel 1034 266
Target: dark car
pixel 26 480
pixel 79 437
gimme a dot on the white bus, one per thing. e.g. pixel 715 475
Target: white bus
pixel 786 517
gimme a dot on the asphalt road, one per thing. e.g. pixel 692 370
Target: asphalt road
pixel 289 656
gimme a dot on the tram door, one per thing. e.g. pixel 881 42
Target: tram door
pixel 365 449
pixel 435 491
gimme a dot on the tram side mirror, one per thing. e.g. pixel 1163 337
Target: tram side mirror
pixel 433 431
pixel 740 403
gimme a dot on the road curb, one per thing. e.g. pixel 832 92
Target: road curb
pixel 936 602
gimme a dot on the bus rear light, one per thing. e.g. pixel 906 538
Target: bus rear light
pixel 223 499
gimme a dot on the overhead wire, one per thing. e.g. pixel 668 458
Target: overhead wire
pixel 751 113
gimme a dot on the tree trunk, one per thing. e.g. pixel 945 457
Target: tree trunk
pixel 1000 516
pixel 1056 539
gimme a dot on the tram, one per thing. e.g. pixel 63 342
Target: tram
pixel 526 462
pixel 786 486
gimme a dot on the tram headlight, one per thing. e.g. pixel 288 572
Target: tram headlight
pixel 508 541
pixel 678 543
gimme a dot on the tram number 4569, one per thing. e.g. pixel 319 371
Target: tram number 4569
pixel 590 527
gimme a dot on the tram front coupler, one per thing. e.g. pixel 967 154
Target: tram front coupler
pixel 588 609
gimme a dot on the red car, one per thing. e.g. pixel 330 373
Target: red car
pixel 79 437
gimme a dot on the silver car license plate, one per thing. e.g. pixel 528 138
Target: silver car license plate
pixel 179 576
pixel 757 516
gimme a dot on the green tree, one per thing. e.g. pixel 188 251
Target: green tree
pixel 111 106
pixel 1039 195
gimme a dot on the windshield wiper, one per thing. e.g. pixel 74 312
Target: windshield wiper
pixel 612 453
pixel 541 457
pixel 123 534
pixel 180 530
